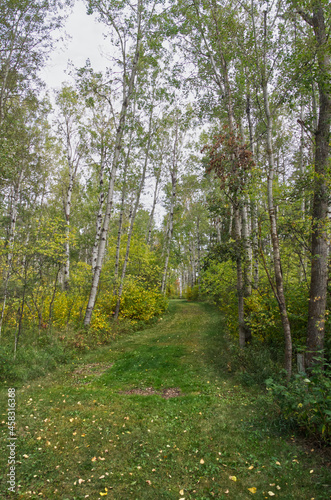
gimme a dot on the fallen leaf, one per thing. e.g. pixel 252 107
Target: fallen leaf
pixel 277 463
pixel 251 467
pixel 94 459
pixel 278 487
pixel 181 492
pixel 103 494
pixel 80 481
pixel 233 478
pixel 148 481
pixel 271 493
pixel 311 471
pixel 202 461
pixel 226 491
pixel 252 490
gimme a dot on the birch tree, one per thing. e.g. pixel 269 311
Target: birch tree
pixel 265 61
pixel 149 139
pixel 317 15
pixel 130 26
pixel 173 170
pixel 69 126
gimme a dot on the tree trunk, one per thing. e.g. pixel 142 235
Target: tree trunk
pixel 240 278
pixel 100 208
pixel 319 244
pixel 151 217
pixel 199 255
pixel 120 222
pixel 118 146
pixel 171 216
pixel 280 296
pixel 11 239
pixel 134 213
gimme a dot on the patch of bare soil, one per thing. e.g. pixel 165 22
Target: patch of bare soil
pixel 171 392
pixel 95 369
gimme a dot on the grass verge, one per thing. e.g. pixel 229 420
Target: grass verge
pixel 102 428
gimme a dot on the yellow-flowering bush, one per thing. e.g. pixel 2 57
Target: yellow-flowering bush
pixel 141 304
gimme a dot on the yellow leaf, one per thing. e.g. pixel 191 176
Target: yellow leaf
pixel 252 490
pixel 251 467
pixel 271 493
pixel 103 494
pixel 181 492
pixel 94 459
pixel 233 478
pixel 202 461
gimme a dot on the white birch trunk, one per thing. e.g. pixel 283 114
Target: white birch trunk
pixel 109 203
pixel 171 213
pixel 280 296
pixel 134 213
pixel 120 222
pixel 151 217
pixel 100 209
pixel 11 239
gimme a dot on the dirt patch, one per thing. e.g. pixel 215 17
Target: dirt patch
pixel 84 371
pixel 171 392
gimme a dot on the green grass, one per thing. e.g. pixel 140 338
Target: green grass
pixel 81 434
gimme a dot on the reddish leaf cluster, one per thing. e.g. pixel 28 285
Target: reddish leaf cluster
pixel 230 159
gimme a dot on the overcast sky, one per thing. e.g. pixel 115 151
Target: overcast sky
pixel 86 42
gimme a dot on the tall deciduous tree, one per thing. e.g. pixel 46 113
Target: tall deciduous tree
pixel 131 30
pixel 25 41
pixel 70 130
pixel 317 15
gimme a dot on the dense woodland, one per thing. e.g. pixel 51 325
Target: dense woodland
pixel 196 165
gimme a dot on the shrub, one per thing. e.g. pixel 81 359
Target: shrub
pixel 141 304
pixel 306 402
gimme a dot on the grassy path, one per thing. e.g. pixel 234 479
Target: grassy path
pixel 83 434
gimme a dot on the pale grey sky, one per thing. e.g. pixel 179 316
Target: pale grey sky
pixel 86 42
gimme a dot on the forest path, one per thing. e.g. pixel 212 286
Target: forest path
pixel 157 416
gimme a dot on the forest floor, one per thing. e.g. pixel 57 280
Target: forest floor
pixel 156 415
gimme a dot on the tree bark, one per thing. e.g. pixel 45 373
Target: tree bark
pixel 120 222
pixel 172 206
pixel 319 244
pixel 11 239
pixel 280 296
pixel 134 213
pixel 151 217
pixel 100 207
pixel 109 203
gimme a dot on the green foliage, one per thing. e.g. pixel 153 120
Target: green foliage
pixel 306 402
pixel 218 283
pixel 139 304
pixel 255 363
pixel 192 293
pixel 36 359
